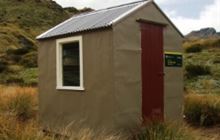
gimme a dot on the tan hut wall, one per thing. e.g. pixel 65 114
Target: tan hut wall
pixel 127 65
pixel 96 104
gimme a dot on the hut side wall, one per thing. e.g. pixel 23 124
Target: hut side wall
pixel 95 105
pixel 127 65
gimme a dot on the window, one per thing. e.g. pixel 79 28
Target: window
pixel 69 63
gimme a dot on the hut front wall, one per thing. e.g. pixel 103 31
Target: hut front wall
pixel 127 65
pixel 95 105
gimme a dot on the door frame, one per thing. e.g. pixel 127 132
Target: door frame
pixel 162 25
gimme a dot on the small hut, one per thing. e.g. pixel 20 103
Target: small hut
pixel 111 67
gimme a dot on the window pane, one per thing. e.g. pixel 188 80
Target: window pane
pixel 71 68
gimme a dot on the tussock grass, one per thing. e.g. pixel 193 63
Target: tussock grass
pixel 8 94
pixel 18 122
pixel 165 131
pixel 193 70
pixel 202 69
pixel 204 43
pixel 202 110
pixel 194 48
pixel 21 105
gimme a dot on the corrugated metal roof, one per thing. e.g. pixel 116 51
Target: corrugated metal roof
pixel 93 20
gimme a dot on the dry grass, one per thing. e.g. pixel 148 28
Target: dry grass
pixel 24 99
pixel 9 93
pixel 167 131
pixel 21 102
pixel 12 104
pixel 205 43
pixel 202 110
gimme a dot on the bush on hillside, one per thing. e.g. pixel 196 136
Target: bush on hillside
pixel 13 79
pixel 29 60
pixel 14 68
pixel 202 110
pixel 216 60
pixel 194 48
pixel 26 42
pixel 14 58
pixel 2 14
pixel 217 43
pixel 196 70
pixel 29 77
pixel 3 65
pixel 18 51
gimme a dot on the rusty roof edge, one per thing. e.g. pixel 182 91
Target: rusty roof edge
pixel 129 12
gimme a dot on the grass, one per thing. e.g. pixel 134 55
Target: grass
pixel 202 69
pixel 18 75
pixel 196 70
pixel 193 48
pixel 18 121
pixel 165 131
pixel 20 22
pixel 203 110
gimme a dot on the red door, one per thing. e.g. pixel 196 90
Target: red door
pixel 152 71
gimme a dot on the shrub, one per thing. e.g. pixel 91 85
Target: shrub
pixel 15 58
pixel 14 68
pixel 29 76
pixel 13 79
pixel 12 129
pixel 3 66
pixel 216 60
pixel 163 131
pixel 29 60
pixel 217 43
pixel 22 105
pixel 202 110
pixel 19 51
pixel 194 48
pixel 196 70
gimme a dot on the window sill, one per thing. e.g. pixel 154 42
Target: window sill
pixel 71 88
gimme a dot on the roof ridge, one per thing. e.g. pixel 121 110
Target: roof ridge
pixel 125 4
pixel 108 8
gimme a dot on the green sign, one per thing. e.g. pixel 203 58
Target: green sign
pixel 173 59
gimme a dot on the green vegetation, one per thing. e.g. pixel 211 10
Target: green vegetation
pixel 164 131
pixel 202 81
pixel 194 48
pixel 202 110
pixel 20 22
pixel 202 69
pixel 20 76
pixel 196 70
pixel 18 121
pixel 21 105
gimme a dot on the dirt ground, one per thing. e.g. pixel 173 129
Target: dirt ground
pixel 212 133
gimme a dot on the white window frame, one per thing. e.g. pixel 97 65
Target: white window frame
pixel 59 63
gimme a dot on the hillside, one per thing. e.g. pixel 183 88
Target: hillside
pixel 204 33
pixel 202 65
pixel 20 22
